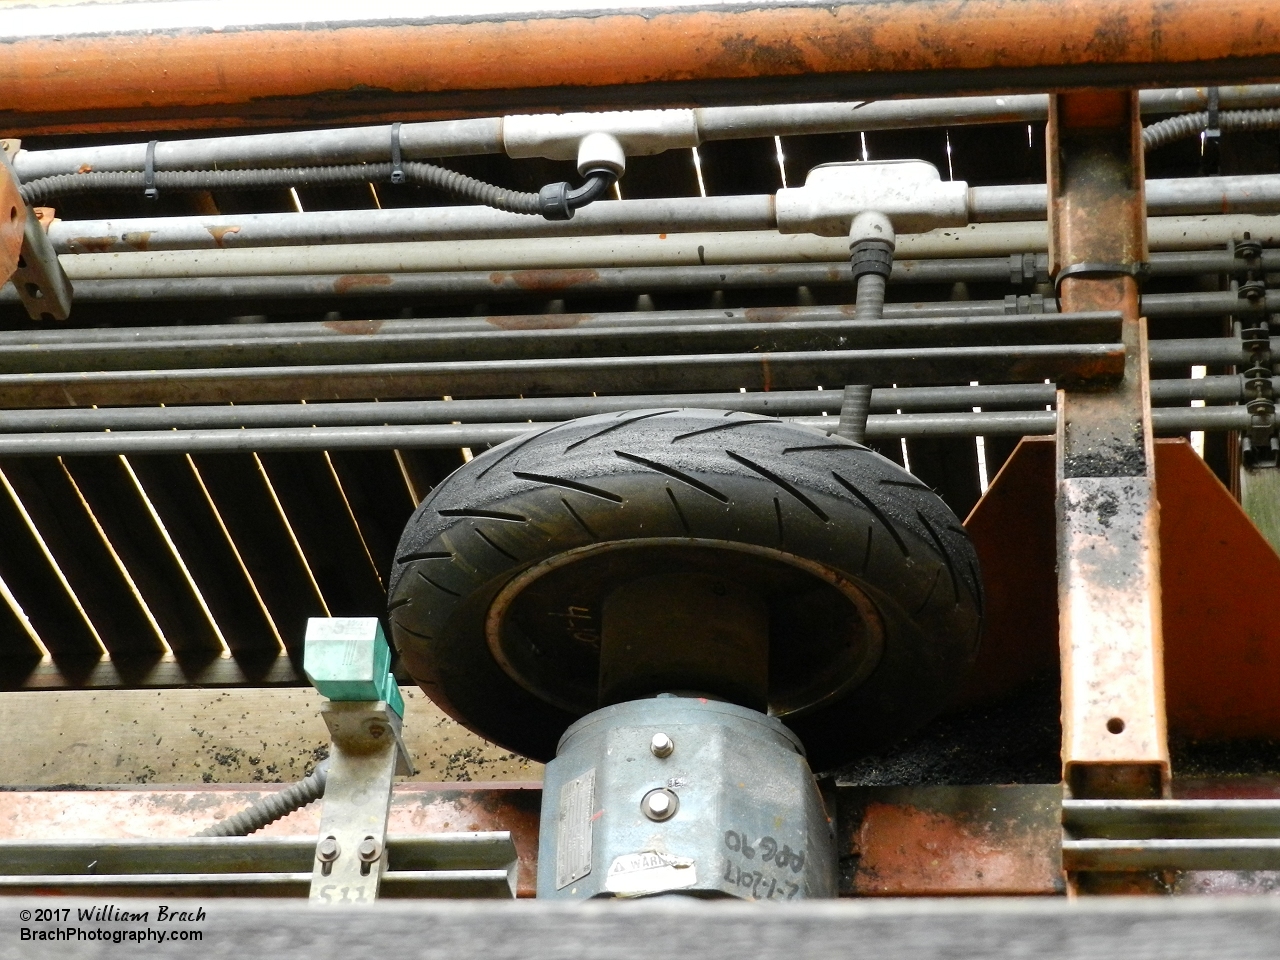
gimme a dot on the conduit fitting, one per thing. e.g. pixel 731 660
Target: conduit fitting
pixel 640 133
pixel 909 193
pixel 871 244
pixel 601 160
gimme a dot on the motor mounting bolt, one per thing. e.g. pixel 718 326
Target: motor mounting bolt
pixel 659 805
pixel 327 850
pixel 661 745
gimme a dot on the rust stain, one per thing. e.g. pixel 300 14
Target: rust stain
pixel 84 168
pixel 548 321
pixel 908 850
pixel 553 279
pixel 91 244
pixel 768 314
pixel 353 281
pixel 354 327
pixel 219 234
pixel 766 374
pixel 13 220
pixel 140 240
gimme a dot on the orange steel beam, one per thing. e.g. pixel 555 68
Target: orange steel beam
pixel 96 67
pixel 1114 741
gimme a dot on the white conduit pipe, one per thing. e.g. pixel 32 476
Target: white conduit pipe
pixel 649 131
pixel 675 215
pixel 372 259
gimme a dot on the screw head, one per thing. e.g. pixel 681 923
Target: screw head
pixel 661 745
pixel 369 850
pixel 659 804
pixel 327 850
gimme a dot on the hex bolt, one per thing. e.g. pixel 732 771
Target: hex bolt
pixel 661 745
pixel 369 850
pixel 327 850
pixel 659 804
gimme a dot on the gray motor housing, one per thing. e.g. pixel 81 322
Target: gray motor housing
pixel 749 821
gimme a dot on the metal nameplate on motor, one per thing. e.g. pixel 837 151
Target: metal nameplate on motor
pixel 573 840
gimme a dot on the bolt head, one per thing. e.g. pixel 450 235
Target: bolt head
pixel 327 850
pixel 659 805
pixel 368 849
pixel 661 745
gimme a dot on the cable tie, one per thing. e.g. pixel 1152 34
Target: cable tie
pixel 149 174
pixel 397 166
pixel 1213 127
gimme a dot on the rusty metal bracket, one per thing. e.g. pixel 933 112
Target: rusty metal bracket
pixel 1114 738
pixel 26 255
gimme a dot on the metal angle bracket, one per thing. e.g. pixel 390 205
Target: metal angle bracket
pixel 367 754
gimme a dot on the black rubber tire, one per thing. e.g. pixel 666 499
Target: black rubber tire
pixel 693 474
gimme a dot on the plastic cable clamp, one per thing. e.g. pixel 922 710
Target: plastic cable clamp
pixel 149 174
pixel 397 165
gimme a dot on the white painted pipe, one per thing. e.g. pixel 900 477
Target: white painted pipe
pixel 371 259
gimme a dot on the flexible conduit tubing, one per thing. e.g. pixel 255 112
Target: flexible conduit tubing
pixel 456 138
pixel 512 257
pixel 453 435
pixel 677 215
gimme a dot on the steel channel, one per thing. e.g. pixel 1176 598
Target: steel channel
pixel 475 435
pixel 1197 854
pixel 1113 718
pixel 453 138
pixel 563 282
pixel 1258 194
pixel 491 344
pixel 254 854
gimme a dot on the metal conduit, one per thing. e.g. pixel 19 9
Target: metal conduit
pixel 818 329
pixel 905 317
pixel 561 376
pixel 453 435
pixel 752 212
pixel 1015 269
pixel 644 374
pixel 782 403
pixel 520 255
pixel 455 138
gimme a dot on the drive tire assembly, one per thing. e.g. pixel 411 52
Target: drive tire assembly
pixel 868 582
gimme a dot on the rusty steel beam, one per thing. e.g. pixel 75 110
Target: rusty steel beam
pixel 1114 737
pixel 93 67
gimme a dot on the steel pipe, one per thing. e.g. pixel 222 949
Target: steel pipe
pixel 1016 269
pixel 996 314
pixel 1179 197
pixel 454 435
pixel 370 262
pixel 644 374
pixel 779 403
pixel 812 329
pixel 92 67
pixel 455 138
